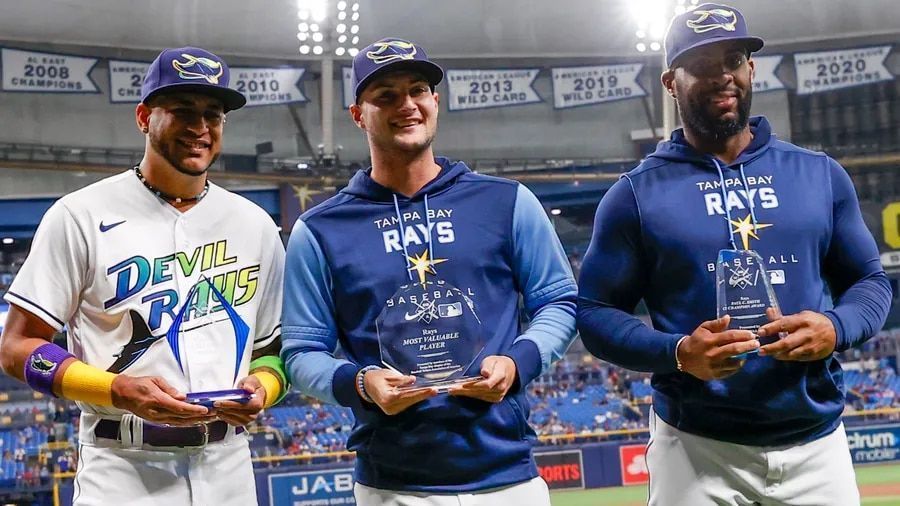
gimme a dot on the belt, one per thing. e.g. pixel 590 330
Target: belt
pixel 165 435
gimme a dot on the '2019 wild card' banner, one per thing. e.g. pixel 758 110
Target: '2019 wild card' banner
pixel 47 72
pixel 485 88
pixel 577 86
pixel 832 70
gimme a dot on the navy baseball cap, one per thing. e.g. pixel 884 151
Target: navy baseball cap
pixel 391 54
pixel 190 70
pixel 707 24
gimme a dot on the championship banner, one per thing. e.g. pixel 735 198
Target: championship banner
pixel 578 86
pixel 833 70
pixel 347 86
pixel 765 79
pixel 268 86
pixel 47 72
pixel 125 79
pixel 312 488
pixel 483 89
pixel 561 470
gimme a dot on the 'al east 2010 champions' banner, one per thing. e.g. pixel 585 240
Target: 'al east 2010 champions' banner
pixel 832 70
pixel 577 86
pixel 261 86
pixel 47 72
pixel 482 88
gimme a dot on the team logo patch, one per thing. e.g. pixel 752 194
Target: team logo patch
pixel 196 67
pixel 41 365
pixel 713 19
pixel 391 50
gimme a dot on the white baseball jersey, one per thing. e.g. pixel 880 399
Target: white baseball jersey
pixel 114 249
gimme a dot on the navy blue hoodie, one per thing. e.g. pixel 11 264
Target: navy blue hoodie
pixel 490 238
pixel 657 233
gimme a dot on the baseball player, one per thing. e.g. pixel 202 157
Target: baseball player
pixel 167 284
pixel 410 220
pixel 764 430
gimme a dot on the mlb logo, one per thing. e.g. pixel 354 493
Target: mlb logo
pixel 450 310
pixel 633 464
pixel 776 277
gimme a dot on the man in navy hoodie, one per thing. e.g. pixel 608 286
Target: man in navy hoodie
pixel 724 430
pixel 411 221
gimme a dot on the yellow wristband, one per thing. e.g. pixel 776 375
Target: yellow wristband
pixel 82 382
pixel 272 385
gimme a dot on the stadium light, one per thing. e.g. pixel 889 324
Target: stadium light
pixel 327 29
pixel 651 18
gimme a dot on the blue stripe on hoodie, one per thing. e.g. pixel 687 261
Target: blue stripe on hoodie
pixel 656 236
pixel 345 259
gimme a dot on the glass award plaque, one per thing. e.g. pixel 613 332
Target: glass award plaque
pixel 431 331
pixel 744 291
pixel 238 328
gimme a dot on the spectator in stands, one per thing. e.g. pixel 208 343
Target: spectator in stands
pixel 725 181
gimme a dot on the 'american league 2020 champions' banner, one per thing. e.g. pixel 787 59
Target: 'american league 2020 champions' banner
pixel 764 73
pixel 577 86
pixel 38 72
pixel 262 86
pixel 485 88
pixel 832 70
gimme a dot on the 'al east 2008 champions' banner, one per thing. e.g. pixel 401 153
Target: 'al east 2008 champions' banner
pixel 47 72
pixel 577 86
pixel 832 70
pixel 261 86
pixel 481 88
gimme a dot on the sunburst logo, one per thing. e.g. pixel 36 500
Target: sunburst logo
pixel 747 229
pixel 423 265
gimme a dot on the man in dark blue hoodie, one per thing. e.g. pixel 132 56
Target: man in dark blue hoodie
pixel 413 244
pixel 725 430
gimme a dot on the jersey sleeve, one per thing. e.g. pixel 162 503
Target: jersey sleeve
pixel 268 317
pixel 853 269
pixel 548 289
pixel 612 282
pixel 50 281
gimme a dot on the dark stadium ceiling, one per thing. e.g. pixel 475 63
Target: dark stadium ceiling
pixel 447 28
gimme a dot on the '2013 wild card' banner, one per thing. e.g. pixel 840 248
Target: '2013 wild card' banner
pixel 832 70
pixel 261 86
pixel 577 86
pixel 482 88
pixel 47 72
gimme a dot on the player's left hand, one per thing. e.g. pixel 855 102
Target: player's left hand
pixel 809 336
pixel 238 414
pixel 498 373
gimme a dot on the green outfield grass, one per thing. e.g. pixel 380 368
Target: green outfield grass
pixel 637 495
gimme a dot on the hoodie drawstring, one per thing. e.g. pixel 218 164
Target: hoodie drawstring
pixel 725 200
pixel 402 229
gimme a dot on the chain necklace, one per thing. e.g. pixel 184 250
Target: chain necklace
pixel 165 196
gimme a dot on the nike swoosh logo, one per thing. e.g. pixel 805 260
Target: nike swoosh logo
pixel 412 317
pixel 105 228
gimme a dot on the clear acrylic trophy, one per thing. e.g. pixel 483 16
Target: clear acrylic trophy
pixel 430 330
pixel 743 291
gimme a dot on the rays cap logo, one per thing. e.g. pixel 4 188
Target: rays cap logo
pixel 190 70
pixel 707 24
pixel 389 55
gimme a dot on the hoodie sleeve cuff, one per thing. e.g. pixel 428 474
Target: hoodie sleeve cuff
pixel 527 358
pixel 344 386
pixel 840 340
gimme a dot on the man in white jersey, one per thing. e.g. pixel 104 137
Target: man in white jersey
pixel 168 285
